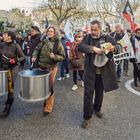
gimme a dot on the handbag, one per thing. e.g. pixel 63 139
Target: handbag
pixel 76 63
pixel 100 60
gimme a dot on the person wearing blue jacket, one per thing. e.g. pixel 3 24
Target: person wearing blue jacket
pixel 64 65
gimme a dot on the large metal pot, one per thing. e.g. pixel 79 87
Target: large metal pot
pixel 3 82
pixel 33 85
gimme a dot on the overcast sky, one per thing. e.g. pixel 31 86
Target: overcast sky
pixel 9 4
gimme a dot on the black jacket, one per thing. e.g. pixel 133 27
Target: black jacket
pixel 35 40
pixel 107 72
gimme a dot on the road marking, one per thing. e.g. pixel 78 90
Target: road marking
pixel 128 86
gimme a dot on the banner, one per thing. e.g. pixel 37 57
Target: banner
pixel 68 31
pixel 137 50
pixel 127 51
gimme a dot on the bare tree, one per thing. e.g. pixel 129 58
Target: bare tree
pixel 114 8
pixel 63 9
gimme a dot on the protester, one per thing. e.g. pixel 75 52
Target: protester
pixel 64 65
pixel 26 48
pixel 35 40
pixel 1 37
pixel 19 39
pixel 49 52
pixel 118 35
pixel 10 55
pixel 126 61
pixel 77 60
pixel 97 78
pixel 136 64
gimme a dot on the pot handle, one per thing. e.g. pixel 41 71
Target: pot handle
pixel 32 65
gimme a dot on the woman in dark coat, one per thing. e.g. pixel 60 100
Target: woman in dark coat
pixel 75 55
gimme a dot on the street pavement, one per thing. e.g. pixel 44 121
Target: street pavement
pixel 121 121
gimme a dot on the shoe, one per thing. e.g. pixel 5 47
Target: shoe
pixel 135 84
pixel 98 114
pixel 75 87
pixel 60 78
pixel 126 74
pixel 85 124
pixel 139 78
pixel 48 105
pixel 67 75
pixel 45 113
pixel 119 79
pixel 5 113
pixel 82 83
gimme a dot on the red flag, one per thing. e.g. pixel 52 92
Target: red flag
pixel 128 15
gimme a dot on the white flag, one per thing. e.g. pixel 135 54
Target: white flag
pixel 68 31
pixel 127 49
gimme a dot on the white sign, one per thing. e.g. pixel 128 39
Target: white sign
pixel 127 51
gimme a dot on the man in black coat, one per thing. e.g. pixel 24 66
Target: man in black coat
pixel 35 40
pixel 96 79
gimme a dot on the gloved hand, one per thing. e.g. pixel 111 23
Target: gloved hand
pixel 12 61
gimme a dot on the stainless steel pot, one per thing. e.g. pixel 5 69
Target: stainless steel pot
pixel 33 85
pixel 3 82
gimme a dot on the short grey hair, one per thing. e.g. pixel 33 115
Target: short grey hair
pixel 119 25
pixel 96 22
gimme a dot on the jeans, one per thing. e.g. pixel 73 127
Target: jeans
pixel 119 69
pixel 64 65
pixel 126 65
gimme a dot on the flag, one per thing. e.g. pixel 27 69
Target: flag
pixel 128 15
pixel 47 23
pixel 68 31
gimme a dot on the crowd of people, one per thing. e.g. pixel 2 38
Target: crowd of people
pixel 53 50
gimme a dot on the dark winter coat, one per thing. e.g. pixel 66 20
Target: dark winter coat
pixel 75 54
pixel 10 51
pixel 35 40
pixel 108 73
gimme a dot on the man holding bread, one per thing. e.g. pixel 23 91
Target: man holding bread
pixel 99 74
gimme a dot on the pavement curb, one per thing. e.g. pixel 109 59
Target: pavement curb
pixel 128 85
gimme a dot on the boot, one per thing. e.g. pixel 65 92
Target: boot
pixel 48 105
pixel 139 78
pixel 6 111
pixel 135 83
